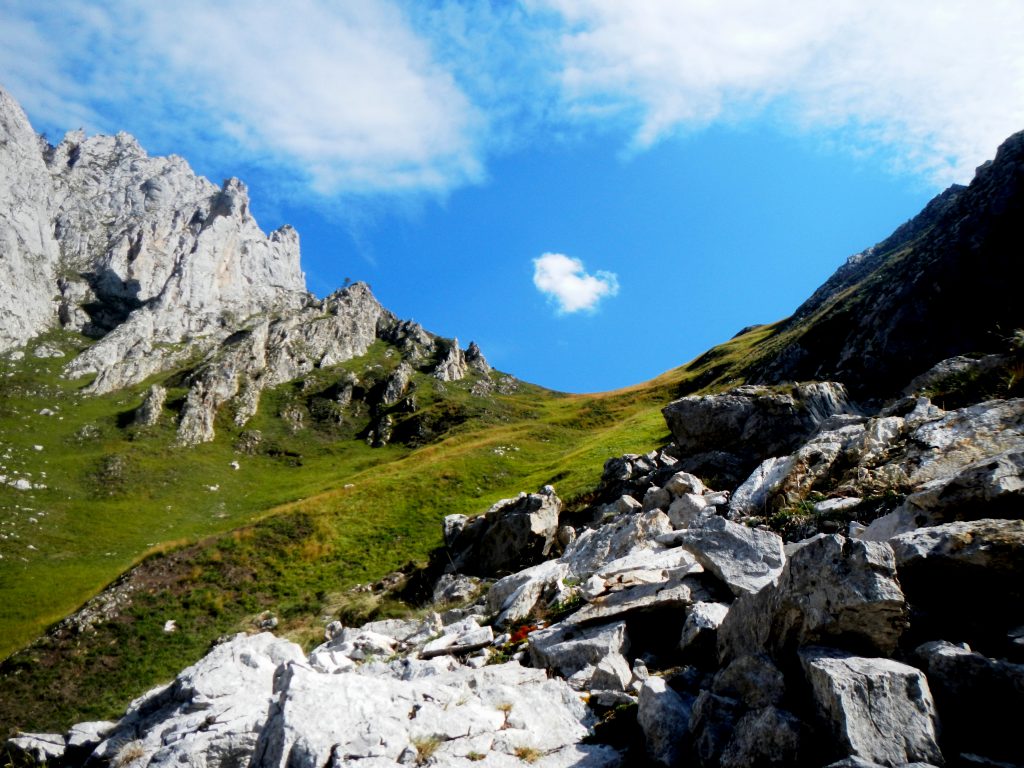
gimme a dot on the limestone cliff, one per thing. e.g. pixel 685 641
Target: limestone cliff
pixel 162 267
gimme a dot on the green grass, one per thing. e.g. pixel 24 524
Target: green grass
pixel 311 514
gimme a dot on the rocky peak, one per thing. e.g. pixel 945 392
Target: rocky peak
pixel 28 251
pixel 935 289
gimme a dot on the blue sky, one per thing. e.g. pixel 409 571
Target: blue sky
pixel 594 191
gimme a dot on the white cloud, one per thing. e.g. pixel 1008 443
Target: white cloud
pixel 936 83
pixel 346 93
pixel 565 282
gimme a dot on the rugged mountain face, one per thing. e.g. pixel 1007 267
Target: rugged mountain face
pixel 812 573
pixel 163 267
pixel 940 286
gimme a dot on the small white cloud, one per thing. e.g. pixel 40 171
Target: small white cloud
pixel 565 282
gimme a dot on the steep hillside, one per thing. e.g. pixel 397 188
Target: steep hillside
pixel 201 447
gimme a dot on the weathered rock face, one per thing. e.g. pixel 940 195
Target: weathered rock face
pixel 751 423
pixel 165 268
pixel 877 709
pixel 831 590
pixel 513 534
pixel 29 254
pixel 933 290
pixel 976 564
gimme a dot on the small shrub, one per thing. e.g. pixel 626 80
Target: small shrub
pixel 128 753
pixel 528 754
pixel 425 747
pixel 475 756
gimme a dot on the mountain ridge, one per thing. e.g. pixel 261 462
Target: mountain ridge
pixel 652 537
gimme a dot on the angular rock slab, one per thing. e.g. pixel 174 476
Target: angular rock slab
pixel 215 708
pixel 832 589
pixel 877 709
pixel 320 719
pixel 745 559
pixel 567 649
pixel 678 590
pixel 625 536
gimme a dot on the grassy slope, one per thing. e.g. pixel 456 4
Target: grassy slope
pixel 288 532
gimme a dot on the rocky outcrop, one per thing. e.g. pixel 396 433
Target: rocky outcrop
pixel 513 534
pixel 933 290
pixel 29 254
pixel 452 365
pixel 167 270
pixel 750 423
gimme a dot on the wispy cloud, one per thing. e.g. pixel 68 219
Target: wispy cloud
pixel 396 96
pixel 348 94
pixel 566 283
pixel 937 84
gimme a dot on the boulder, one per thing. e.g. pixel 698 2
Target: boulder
pixel 612 673
pixel 459 638
pixel 664 716
pixel 876 709
pixel 675 590
pixel 768 737
pixel 38 748
pixel 753 422
pixel 152 406
pixel 687 509
pixel 745 559
pixel 753 680
pixel 832 590
pixel 566 649
pixel 980 700
pixel 712 726
pixel 215 708
pixel 989 487
pixel 513 534
pixel 615 540
pixel 700 629
pixel 751 497
pixel 976 566
pixel 516 596
pixel 496 711
pixel 455 588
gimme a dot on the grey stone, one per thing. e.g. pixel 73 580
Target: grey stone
pixel 513 534
pixel 753 421
pixel 152 406
pixel 452 365
pixel 876 708
pixel 41 748
pixel 712 725
pixel 359 718
pixel 663 715
pixel 568 649
pixel 656 498
pixel 684 482
pixel 612 673
pixel 619 538
pixel 980 700
pixel 764 737
pixel 745 559
pixel 456 588
pixel 832 590
pixel 687 510
pixel 701 626
pixel 753 680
